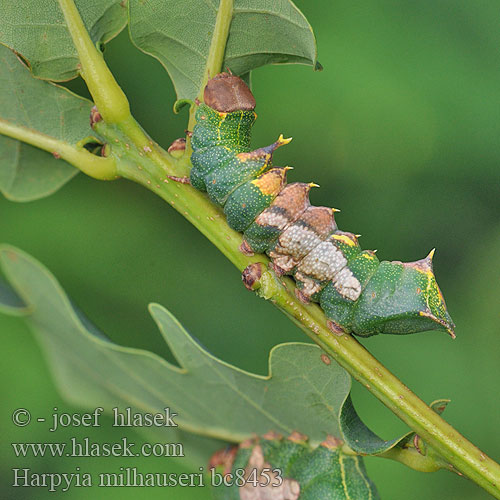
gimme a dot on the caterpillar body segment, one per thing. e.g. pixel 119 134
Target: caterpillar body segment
pixel 251 198
pixel 358 293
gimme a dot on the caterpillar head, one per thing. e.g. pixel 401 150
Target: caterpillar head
pixel 227 93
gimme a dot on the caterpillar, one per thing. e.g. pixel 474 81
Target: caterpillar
pixel 295 470
pixel 358 293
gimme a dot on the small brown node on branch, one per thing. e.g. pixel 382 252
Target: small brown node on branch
pixel 335 328
pixel 251 276
pixel 246 249
pixel 105 150
pixel 182 180
pixel 301 296
pixel 416 443
pixel 227 93
pixel 177 145
pixel 95 116
pixel 56 155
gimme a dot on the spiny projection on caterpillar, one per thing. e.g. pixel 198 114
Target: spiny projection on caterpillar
pixel 358 293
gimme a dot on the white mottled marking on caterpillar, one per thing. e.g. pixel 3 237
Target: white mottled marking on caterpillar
pixel 347 284
pixel 297 241
pixel 309 286
pixel 270 218
pixel 285 262
pixel 323 262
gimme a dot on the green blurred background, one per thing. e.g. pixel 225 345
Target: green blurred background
pixel 400 130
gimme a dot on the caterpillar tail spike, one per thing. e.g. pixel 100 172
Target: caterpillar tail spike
pixel 358 293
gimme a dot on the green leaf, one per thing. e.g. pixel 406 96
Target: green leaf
pixel 178 34
pixel 358 436
pixel 36 29
pixel 408 449
pixel 212 398
pixel 27 173
pixel 181 103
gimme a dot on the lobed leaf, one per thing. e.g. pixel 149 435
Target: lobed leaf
pixel 212 398
pixel 178 34
pixel 27 173
pixel 36 29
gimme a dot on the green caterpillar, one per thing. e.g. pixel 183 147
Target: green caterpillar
pixel 274 467
pixel 358 293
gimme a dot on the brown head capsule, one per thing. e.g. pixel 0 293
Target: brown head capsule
pixel 227 93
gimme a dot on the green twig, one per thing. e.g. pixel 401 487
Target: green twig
pixel 109 98
pixel 215 56
pixel 107 94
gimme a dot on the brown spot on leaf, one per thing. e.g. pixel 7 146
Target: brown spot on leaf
pixel 325 359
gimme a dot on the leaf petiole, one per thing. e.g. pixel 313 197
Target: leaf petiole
pixel 97 167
